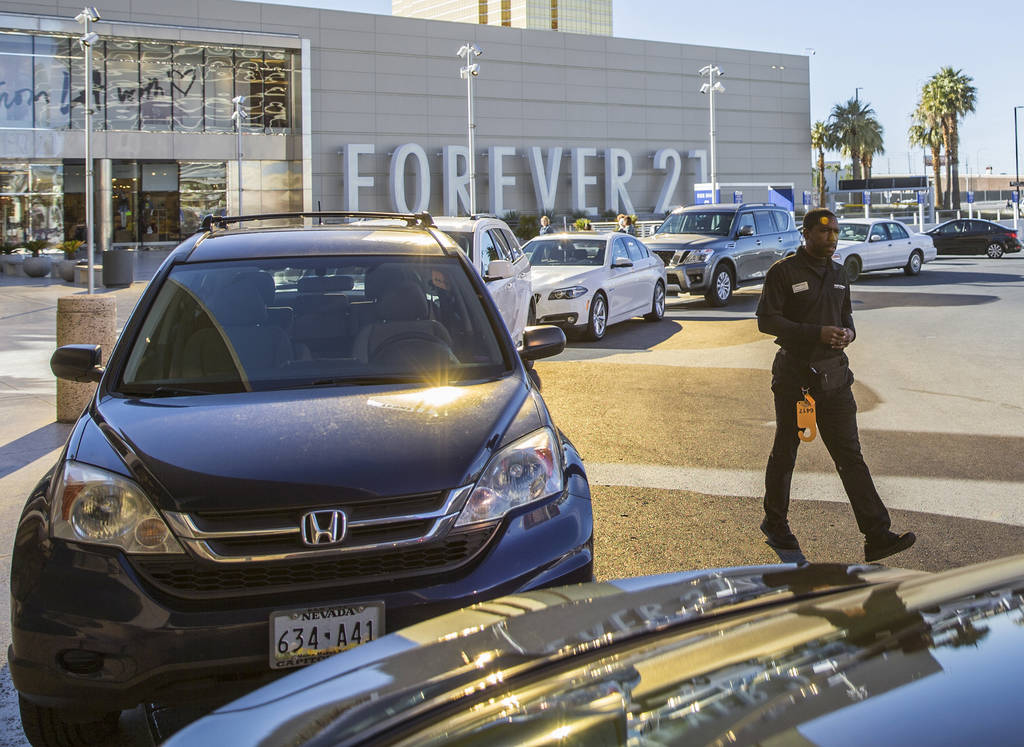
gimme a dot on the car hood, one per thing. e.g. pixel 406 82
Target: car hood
pixel 549 278
pixel 682 240
pixel 766 649
pixel 301 447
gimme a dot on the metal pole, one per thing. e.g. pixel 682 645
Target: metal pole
pixel 1016 167
pixel 88 159
pixel 711 119
pixel 238 151
pixel 471 141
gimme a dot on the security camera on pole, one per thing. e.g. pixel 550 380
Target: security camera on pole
pixel 237 116
pixel 85 319
pixel 710 88
pixel 470 71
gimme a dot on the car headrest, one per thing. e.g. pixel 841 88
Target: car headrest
pixel 404 302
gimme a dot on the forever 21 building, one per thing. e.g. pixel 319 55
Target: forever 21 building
pixel 349 110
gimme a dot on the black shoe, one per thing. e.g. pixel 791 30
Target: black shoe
pixel 779 536
pixel 884 545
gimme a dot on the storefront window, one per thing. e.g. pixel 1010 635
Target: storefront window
pixel 155 86
pixel 31 203
pixel 187 89
pixel 159 217
pixel 147 86
pixel 124 193
pixel 202 191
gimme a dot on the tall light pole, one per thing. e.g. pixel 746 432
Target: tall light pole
pixel 87 16
pixel 470 71
pixel 1016 164
pixel 237 116
pixel 710 88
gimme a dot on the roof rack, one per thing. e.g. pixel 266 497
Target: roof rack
pixel 212 222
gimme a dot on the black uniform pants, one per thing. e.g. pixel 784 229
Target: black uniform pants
pixel 836 412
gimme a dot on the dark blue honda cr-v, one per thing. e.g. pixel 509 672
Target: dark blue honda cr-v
pixel 306 437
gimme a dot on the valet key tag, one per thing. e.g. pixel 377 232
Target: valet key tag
pixel 805 422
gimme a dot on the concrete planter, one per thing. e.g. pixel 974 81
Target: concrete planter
pixel 66 269
pixel 12 264
pixel 118 267
pixel 37 267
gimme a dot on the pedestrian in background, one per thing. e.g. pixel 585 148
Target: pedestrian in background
pixel 805 303
pixel 625 224
pixel 545 225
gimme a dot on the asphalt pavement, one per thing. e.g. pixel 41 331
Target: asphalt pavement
pixel 674 421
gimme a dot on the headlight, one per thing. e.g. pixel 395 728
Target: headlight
pixel 699 256
pixel 523 472
pixel 98 507
pixel 565 293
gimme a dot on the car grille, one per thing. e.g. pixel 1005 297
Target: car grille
pixel 272 535
pixel 667 255
pixel 185 577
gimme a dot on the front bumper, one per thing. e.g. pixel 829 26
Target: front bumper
pixel 89 635
pixel 689 278
pixel 566 313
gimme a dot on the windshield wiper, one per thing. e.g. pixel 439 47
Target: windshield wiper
pixel 365 380
pixel 167 391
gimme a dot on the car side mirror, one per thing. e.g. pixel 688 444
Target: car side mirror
pixel 498 269
pixel 542 341
pixel 745 231
pixel 621 263
pixel 874 237
pixel 77 363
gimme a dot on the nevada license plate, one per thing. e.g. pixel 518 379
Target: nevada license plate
pixel 302 636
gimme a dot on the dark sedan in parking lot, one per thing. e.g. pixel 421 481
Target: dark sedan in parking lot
pixel 305 437
pixel 788 655
pixel 974 236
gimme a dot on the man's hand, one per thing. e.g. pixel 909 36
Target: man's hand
pixel 836 337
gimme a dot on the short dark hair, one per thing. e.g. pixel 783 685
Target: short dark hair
pixel 813 215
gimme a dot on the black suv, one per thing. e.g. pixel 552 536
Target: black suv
pixel 709 250
pixel 305 437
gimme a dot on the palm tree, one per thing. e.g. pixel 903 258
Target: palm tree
pixel 850 124
pixel 872 143
pixel 951 96
pixel 821 140
pixel 927 132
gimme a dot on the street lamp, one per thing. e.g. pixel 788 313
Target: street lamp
pixel 710 88
pixel 470 71
pixel 1016 164
pixel 87 16
pixel 237 118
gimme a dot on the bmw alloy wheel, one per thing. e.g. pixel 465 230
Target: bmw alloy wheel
pixel 598 317
pixel 658 304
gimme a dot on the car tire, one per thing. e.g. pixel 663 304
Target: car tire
pixel 598 323
pixel 852 269
pixel 657 311
pixel 720 292
pixel 46 726
pixel 994 250
pixel 913 266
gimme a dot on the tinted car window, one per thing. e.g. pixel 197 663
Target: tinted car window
pixel 498 238
pixel 853 232
pixel 242 326
pixel 489 251
pixel 745 220
pixel 878 233
pixel 783 221
pixel 513 244
pixel 547 252
pixel 897 231
pixel 619 251
pixel 465 241
pixel 763 221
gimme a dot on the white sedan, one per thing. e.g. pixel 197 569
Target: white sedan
pixel 866 245
pixel 585 281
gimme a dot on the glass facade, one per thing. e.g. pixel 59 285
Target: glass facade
pixel 30 202
pixel 150 86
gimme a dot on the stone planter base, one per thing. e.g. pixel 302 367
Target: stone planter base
pixel 66 270
pixel 36 267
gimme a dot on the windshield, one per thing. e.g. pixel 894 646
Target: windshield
pixel 546 252
pixel 308 321
pixel 708 222
pixel 853 231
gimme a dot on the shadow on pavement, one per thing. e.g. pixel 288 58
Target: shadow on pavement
pixel 31 446
pixel 632 334
pixel 885 300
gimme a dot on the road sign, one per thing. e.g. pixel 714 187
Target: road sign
pixel 737 196
pixel 867 198
pixel 970 197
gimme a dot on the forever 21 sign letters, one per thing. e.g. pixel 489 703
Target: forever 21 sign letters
pixel 545 168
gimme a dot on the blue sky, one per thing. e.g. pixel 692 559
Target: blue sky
pixel 887 49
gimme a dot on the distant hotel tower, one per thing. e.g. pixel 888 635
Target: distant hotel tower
pixel 575 16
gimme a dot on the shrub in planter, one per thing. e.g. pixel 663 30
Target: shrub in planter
pixel 66 269
pixel 36 266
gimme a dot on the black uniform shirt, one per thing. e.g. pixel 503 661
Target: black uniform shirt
pixel 800 296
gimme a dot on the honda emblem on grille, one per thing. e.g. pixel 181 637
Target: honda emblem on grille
pixel 323 527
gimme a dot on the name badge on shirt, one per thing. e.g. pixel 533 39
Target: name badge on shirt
pixel 838 286
pixel 800 287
